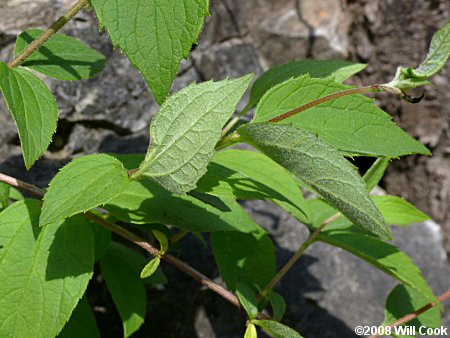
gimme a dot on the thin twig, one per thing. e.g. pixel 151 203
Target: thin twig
pixel 367 89
pixel 43 38
pixel 132 237
pixel 312 237
pixel 417 313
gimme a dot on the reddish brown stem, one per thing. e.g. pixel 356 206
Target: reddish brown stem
pixel 417 313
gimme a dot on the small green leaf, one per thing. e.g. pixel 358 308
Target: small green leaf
pixel 33 108
pixel 81 323
pixel 246 258
pixel 353 124
pixel 127 290
pixel 339 70
pixel 375 172
pixel 83 184
pixel 276 329
pixel 163 241
pixel 247 174
pixel 155 35
pixel 45 271
pixel 397 211
pixel 404 300
pixel 62 57
pixel 147 202
pixel 278 306
pixel 150 268
pixel 4 195
pixel 185 131
pixel 321 167
pixel 250 332
pixel 247 298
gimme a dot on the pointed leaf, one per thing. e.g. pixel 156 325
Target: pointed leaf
pixel 397 211
pixel 33 108
pixel 62 57
pixel 150 268
pixel 276 329
pixel 247 298
pixel 247 258
pixel 127 290
pixel 154 34
pixel 278 305
pixel 185 131
pixel 163 241
pixel 353 124
pixel 83 184
pixel 82 322
pixel 339 70
pixel 250 332
pixel 375 173
pixel 321 167
pixel 45 271
pixel 404 300
pixel 247 174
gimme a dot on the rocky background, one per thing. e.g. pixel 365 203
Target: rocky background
pixel 329 292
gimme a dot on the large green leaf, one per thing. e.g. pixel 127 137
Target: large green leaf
pixel 397 211
pixel 320 166
pixel 251 175
pixel 353 124
pixel 154 34
pixel 404 300
pixel 33 108
pixel 276 329
pixel 82 322
pixel 45 271
pixel 126 288
pixel 185 131
pixel 245 258
pixel 83 184
pixel 62 57
pixel 339 70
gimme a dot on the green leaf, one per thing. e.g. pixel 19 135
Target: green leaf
pixel 15 194
pixel 397 211
pixel 247 298
pixel 339 70
pixel 321 167
pixel 127 290
pixel 250 332
pixel 404 300
pixel 33 109
pixel 353 124
pixel 246 258
pixel 155 35
pixel 147 202
pixel 62 57
pixel 382 255
pixel 375 172
pixel 163 241
pixel 45 271
pixel 150 268
pixel 278 305
pixel 247 174
pixel 276 329
pixel 4 195
pixel 185 131
pixel 81 323
pixel 83 184
pixel 102 238
pixel 438 54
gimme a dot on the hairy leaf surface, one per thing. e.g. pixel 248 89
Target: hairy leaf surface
pixel 45 271
pixel 83 184
pixel 33 109
pixel 276 329
pixel 320 166
pixel 154 34
pixel 185 131
pixel 353 124
pixel 61 57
